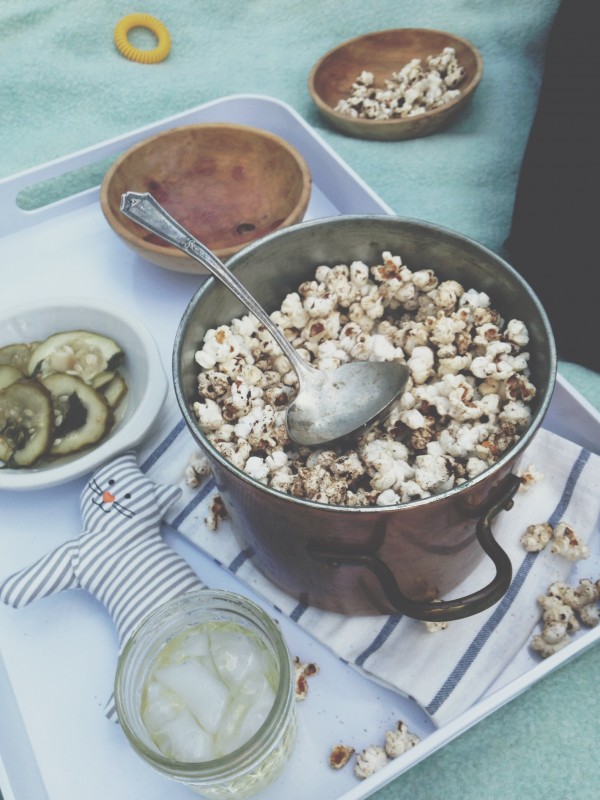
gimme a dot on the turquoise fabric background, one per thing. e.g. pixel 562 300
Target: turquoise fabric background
pixel 64 87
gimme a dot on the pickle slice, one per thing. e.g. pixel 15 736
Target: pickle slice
pixel 26 423
pixel 80 353
pixel 18 355
pixel 8 375
pixel 115 390
pixel 103 379
pixel 82 417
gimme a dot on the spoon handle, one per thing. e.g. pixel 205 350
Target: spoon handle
pixel 144 209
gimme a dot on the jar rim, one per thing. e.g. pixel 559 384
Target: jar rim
pixel 254 749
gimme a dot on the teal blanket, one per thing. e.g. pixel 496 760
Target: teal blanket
pixel 64 86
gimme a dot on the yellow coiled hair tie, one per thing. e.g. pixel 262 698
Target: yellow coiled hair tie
pixel 154 56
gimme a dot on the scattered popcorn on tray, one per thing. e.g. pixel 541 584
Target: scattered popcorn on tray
pixel 565 541
pixel 567 544
pixel 435 627
pixel 371 760
pixel 545 649
pixel 413 90
pixel 340 755
pixel 197 470
pixel 303 670
pixel 558 618
pixel 583 599
pixel 465 403
pixel 590 615
pixel 529 477
pixel 536 537
pixel 217 512
pixel 375 757
pixel 575 597
pixel 399 741
pixel 564 608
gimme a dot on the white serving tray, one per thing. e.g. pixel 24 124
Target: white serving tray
pixel 57 656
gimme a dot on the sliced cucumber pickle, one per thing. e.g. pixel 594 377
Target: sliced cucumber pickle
pixel 115 390
pixel 57 397
pixel 26 423
pixel 81 353
pixel 82 415
pixel 9 374
pixel 18 355
pixel 103 379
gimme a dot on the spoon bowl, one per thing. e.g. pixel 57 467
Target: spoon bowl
pixel 344 402
pixel 330 405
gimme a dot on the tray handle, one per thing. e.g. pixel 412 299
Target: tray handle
pixel 439 610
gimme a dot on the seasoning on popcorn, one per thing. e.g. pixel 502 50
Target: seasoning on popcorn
pixel 466 402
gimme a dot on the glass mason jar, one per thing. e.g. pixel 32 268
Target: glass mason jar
pixel 257 762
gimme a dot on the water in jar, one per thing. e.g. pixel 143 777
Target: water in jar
pixel 209 690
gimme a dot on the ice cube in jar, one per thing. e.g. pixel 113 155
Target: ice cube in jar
pixel 210 689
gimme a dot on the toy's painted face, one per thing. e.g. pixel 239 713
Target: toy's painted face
pixel 120 491
pixel 107 500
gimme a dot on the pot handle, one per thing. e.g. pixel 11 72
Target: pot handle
pixel 439 610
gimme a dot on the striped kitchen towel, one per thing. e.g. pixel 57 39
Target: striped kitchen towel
pixel 446 671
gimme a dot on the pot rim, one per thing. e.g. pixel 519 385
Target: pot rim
pixel 507 458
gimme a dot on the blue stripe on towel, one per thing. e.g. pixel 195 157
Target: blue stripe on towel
pixel 297 612
pixel 564 501
pixel 197 499
pixel 163 446
pixel 479 641
pixel 239 560
pixel 380 639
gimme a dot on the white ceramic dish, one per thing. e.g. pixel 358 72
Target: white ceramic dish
pixel 142 370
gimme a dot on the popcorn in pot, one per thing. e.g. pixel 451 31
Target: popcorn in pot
pixel 465 403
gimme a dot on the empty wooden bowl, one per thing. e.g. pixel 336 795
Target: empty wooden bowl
pixel 383 53
pixel 227 184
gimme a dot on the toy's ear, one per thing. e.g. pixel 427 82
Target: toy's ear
pixel 128 459
pixel 166 496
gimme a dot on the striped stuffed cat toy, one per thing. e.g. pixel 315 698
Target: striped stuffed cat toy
pixel 120 557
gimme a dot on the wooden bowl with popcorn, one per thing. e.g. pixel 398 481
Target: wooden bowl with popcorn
pixel 396 84
pixel 228 184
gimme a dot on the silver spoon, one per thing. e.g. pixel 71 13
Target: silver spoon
pixel 330 405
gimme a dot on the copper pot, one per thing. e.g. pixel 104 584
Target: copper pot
pixel 394 559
